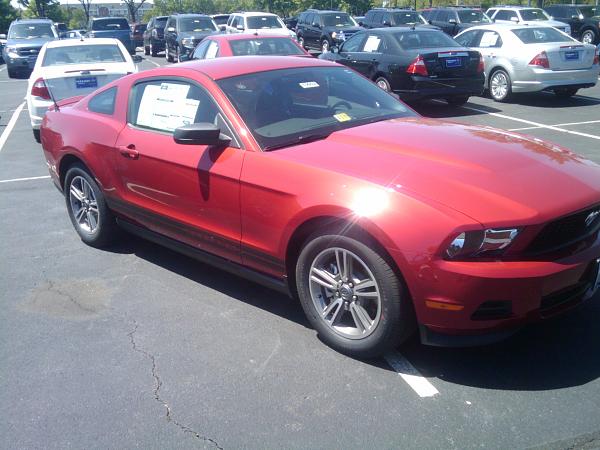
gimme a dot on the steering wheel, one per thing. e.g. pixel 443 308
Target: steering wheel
pixel 342 103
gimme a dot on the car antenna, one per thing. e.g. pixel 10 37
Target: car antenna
pixel 52 97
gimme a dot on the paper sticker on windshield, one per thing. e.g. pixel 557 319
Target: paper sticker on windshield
pixel 309 84
pixel 372 44
pixel 342 117
pixel 489 39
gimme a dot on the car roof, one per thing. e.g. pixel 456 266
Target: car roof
pixel 190 15
pixel 507 26
pixel 108 18
pixel 390 30
pixel 31 20
pixel 73 42
pixel 254 13
pixel 220 68
pixel 514 7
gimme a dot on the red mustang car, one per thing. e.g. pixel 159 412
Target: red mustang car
pixel 221 45
pixel 303 175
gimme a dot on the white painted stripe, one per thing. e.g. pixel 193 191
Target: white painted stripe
pixel 25 179
pixel 11 125
pixel 557 125
pixel 411 375
pixel 152 62
pixel 529 122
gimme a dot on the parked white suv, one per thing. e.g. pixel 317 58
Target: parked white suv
pixel 258 23
pixel 525 16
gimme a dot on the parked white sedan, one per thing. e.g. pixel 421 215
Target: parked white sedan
pixel 68 68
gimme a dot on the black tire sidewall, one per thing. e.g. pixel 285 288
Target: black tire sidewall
pixel 394 315
pixel 389 87
pixel 106 223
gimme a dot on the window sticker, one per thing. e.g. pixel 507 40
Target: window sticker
pixel 342 117
pixel 166 107
pixel 309 84
pixel 372 44
pixel 488 39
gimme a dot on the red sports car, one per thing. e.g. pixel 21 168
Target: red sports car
pixel 303 175
pixel 221 45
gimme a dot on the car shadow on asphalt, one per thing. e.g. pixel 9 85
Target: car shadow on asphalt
pixel 556 354
pixel 219 280
pixel 441 110
pixel 549 100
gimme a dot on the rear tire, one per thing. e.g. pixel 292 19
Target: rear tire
pixel 37 136
pixel 589 37
pixel 458 101
pixel 383 83
pixel 87 208
pixel 152 51
pixel 500 86
pixel 360 322
pixel 565 93
pixel 146 50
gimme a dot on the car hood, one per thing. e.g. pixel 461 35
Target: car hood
pixel 38 42
pixel 344 29
pixel 496 177
pixel 197 34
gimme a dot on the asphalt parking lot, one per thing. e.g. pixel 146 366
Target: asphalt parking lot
pixel 139 347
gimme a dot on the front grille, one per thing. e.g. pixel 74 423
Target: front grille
pixel 28 51
pixel 566 231
pixel 572 294
pixel 493 310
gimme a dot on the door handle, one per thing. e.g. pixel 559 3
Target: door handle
pixel 128 151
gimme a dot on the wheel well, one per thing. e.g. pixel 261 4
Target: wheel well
pixel 66 162
pixel 298 238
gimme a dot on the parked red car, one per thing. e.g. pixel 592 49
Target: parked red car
pixel 221 45
pixel 303 175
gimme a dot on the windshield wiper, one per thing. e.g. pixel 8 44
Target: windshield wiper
pixel 304 139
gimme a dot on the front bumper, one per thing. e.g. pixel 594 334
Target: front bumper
pixel 426 87
pixel 20 63
pixel 543 79
pixel 471 303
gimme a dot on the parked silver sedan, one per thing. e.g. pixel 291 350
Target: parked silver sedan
pixel 525 58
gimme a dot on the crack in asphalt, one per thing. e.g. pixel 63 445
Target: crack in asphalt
pixel 158 385
pixel 52 287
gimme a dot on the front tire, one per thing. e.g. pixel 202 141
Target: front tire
pixel 87 208
pixel 325 46
pixel 153 52
pixel 500 85
pixel 37 136
pixel 351 295
pixel 589 37
pixel 383 83
pixel 146 50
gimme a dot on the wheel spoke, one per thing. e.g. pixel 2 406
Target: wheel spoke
pixel 337 313
pixel 85 188
pixel 76 193
pixel 324 278
pixel 92 220
pixel 80 215
pixel 361 317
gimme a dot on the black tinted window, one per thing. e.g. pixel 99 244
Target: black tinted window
pixel 197 24
pixel 160 22
pixel 104 102
pixel 468 38
pixel 541 35
pixel 30 31
pixel 264 46
pixel 110 24
pixel 354 43
pixel 424 39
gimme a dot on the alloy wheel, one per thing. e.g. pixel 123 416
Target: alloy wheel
pixel 588 37
pixel 84 205
pixel 325 46
pixel 345 293
pixel 499 85
pixel 383 84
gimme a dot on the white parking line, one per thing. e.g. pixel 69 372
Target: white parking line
pixel 10 125
pixel 556 125
pixel 411 375
pixel 529 122
pixel 152 62
pixel 25 179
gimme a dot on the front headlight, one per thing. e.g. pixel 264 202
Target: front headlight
pixel 480 242
pixel 12 52
pixel 187 42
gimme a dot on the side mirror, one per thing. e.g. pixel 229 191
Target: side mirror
pixel 316 25
pixel 575 17
pixel 200 134
pixel 184 57
pixel 2 36
pixel 137 58
pixel 385 23
pixel 514 19
pixel 452 21
pixel 171 29
pixel 240 27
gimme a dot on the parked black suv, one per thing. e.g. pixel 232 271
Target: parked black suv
pixel 321 30
pixel 453 20
pixel 154 36
pixel 384 17
pixel 583 19
pixel 184 31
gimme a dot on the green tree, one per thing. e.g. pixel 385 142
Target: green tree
pixel 7 15
pixel 78 19
pixel 37 8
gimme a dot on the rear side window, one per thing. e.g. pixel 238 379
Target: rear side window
pixel 110 24
pixel 442 16
pixel 104 102
pixel 425 39
pixel 469 38
pixel 506 15
pixel 264 46
pixel 540 35
pixel 490 39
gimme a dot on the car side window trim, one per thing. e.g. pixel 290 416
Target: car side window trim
pixel 235 139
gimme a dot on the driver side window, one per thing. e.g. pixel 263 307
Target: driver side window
pixel 468 39
pixel 200 50
pixel 353 44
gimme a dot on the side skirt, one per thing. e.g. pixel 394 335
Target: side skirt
pixel 277 284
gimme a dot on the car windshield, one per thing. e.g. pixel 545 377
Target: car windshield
pixel 290 106
pixel 264 46
pixel 590 11
pixel 338 20
pixel 30 31
pixel 197 24
pixel 540 35
pixel 424 39
pixel 473 16
pixel 263 22
pixel 110 25
pixel 408 17
pixel 160 22
pixel 221 20
pixel 83 54
pixel 534 14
